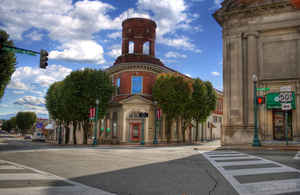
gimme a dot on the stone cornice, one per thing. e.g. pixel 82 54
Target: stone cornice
pixel 135 66
pixel 224 14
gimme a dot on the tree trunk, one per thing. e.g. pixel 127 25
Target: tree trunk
pixel 197 130
pixel 85 131
pixel 74 132
pixel 190 135
pixel 202 131
pixel 169 124
pixel 67 135
pixel 183 130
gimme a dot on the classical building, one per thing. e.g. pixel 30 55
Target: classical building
pixel 134 74
pixel 260 37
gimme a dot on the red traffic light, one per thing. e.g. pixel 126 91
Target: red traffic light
pixel 260 100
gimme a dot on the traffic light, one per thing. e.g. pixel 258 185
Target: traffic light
pixel 260 100
pixel 43 59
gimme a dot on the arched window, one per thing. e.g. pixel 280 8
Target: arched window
pixel 131 47
pixel 146 48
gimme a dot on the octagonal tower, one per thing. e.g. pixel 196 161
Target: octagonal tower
pixel 138 41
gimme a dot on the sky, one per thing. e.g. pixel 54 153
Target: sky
pixel 87 34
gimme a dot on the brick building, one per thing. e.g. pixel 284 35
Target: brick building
pixel 134 74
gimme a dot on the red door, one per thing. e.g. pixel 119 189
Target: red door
pixel 135 131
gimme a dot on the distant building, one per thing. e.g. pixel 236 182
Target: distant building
pixel 260 37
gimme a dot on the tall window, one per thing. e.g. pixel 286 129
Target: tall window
pixel 131 47
pixel 118 86
pixel 136 84
pixel 146 48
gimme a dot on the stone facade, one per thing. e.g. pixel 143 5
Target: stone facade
pixel 261 38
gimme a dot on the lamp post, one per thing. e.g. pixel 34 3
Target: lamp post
pixel 155 122
pixel 95 127
pixel 256 141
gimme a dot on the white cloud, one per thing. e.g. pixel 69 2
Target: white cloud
pixel 63 20
pixel 17 84
pixel 84 51
pixel 172 54
pixel 181 43
pixel 34 35
pixel 18 92
pixel 115 51
pixel 215 74
pixel 31 101
pixel 28 78
pixel 115 35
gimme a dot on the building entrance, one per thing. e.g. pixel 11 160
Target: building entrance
pixel 135 131
pixel 279 125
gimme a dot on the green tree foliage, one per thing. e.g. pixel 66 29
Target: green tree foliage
pixel 184 99
pixel 172 93
pixel 7 62
pixel 10 124
pixel 70 100
pixel 25 121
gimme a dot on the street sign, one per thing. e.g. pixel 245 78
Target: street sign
pixel 285 88
pixel 286 106
pixel 39 125
pixel 285 97
pixel 19 50
pixel 263 89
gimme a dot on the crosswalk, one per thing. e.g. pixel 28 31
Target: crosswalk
pixel 16 179
pixel 297 156
pixel 253 175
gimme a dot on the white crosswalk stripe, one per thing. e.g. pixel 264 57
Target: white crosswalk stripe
pixel 257 176
pixel 297 156
pixel 16 179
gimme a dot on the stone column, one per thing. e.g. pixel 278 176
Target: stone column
pixel 252 68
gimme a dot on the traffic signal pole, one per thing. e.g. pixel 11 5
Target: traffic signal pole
pixel 43 53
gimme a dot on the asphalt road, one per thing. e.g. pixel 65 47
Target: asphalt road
pixel 129 170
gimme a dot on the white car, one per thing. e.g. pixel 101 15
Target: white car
pixel 38 136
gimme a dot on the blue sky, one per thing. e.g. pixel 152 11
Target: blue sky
pixel 87 33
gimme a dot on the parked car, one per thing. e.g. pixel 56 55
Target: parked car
pixel 28 137
pixel 38 136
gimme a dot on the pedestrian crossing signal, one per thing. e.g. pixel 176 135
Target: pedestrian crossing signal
pixel 260 100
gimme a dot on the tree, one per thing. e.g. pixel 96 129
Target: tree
pixel 71 101
pixel 204 102
pixel 7 62
pixel 25 121
pixel 199 103
pixel 10 124
pixel 172 94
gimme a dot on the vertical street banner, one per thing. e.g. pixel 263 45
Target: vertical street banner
pixel 92 113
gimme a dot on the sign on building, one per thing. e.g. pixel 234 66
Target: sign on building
pixel 274 100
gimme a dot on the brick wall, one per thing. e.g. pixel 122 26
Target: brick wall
pixel 125 82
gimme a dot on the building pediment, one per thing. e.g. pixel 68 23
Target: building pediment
pixel 136 99
pixel 248 8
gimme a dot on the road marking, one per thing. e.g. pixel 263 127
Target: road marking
pixel 42 183
pixel 297 156
pixel 255 170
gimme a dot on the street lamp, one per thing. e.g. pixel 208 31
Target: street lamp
pixel 256 141
pixel 95 127
pixel 155 122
